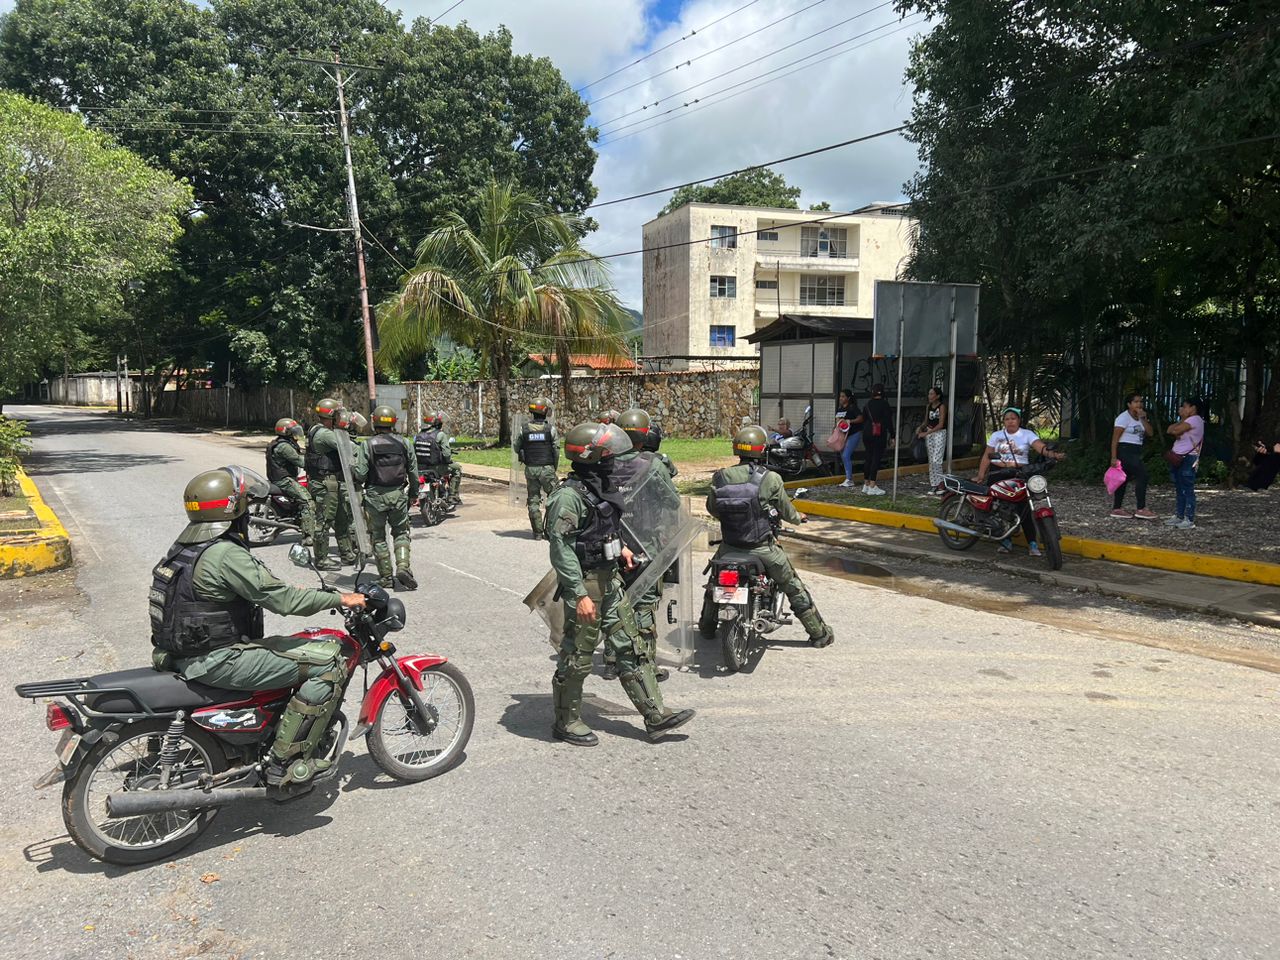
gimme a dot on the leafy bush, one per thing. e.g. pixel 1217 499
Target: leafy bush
pixel 14 445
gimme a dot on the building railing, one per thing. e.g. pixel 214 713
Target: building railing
pixel 840 252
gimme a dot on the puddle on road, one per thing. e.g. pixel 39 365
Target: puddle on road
pixel 843 566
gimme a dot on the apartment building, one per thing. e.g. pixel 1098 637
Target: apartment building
pixel 713 273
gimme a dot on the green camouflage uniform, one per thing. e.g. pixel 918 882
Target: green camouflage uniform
pixel 388 507
pixel 568 513
pixel 333 510
pixel 539 481
pixel 288 456
pixel 773 495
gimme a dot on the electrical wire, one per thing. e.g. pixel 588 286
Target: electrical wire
pixel 766 56
pixel 654 53
pixel 446 13
pixel 126 108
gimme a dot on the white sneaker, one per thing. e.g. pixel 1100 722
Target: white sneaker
pixel 876 491
pixel 847 484
pixel 1173 521
pixel 866 489
pixel 1185 525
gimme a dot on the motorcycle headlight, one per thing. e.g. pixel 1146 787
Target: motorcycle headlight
pixel 1037 484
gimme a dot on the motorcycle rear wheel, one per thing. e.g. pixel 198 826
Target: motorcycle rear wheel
pixel 401 750
pixel 735 641
pixel 260 536
pixel 955 510
pixel 133 762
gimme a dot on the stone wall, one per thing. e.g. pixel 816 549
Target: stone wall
pixel 686 404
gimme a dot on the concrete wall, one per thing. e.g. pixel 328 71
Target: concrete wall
pixel 666 286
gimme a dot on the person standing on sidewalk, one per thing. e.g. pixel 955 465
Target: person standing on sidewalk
pixel 934 433
pixel 848 417
pixel 877 431
pixel 1184 459
pixel 1131 430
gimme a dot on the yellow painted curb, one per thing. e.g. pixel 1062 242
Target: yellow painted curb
pixel 28 554
pixel 968 463
pixel 1174 561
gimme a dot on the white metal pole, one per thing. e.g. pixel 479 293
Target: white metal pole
pixel 897 413
pixel 951 387
pixel 227 389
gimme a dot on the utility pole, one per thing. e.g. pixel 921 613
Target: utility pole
pixel 353 208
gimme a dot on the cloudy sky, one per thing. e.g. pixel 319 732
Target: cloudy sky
pixel 792 93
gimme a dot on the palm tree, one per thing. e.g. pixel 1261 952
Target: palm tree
pixel 515 269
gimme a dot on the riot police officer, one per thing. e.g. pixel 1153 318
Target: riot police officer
pixel 206 600
pixel 749 500
pixel 284 460
pixel 584 527
pixel 608 416
pixel 630 468
pixel 536 448
pixel 434 452
pixel 386 465
pixel 324 477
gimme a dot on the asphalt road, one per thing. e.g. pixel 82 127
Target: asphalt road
pixel 942 782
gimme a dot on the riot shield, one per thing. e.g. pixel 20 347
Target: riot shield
pixel 541 600
pixel 517 491
pixel 347 457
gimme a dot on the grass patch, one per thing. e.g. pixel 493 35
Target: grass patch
pixel 914 505
pixel 679 449
pixel 24 521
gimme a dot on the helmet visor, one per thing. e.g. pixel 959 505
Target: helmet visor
pixel 252 483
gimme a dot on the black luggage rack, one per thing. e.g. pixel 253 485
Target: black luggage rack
pixel 76 689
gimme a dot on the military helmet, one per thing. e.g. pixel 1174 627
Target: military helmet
pixel 356 423
pixel 342 418
pixel 590 443
pixel 437 419
pixel 327 408
pixel 539 407
pixel 750 442
pixel 608 416
pixel 287 426
pixel 215 499
pixel 635 423
pixel 384 417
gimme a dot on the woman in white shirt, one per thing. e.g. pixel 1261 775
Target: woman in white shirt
pixel 1131 428
pixel 1009 449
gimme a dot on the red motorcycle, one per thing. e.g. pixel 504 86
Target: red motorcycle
pixel 148 757
pixel 993 511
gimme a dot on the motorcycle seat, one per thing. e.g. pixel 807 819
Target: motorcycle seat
pixel 742 560
pixel 275 490
pixel 158 690
pixel 968 486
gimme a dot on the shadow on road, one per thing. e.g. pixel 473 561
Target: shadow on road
pixel 530 715
pixel 43 463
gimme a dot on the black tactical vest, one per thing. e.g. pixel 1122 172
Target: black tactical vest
pixel 184 625
pixel 537 445
pixel 627 474
pixel 428 448
pixel 653 439
pixel 743 519
pixel 320 465
pixel 278 470
pixel 600 541
pixel 388 461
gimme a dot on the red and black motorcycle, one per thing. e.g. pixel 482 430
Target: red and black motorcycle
pixel 434 502
pixel 993 511
pixel 148 757
pixel 271 514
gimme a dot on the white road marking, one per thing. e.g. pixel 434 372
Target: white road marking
pixel 472 576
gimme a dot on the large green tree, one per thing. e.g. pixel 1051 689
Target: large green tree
pixel 511 270
pixel 217 95
pixel 80 217
pixel 760 187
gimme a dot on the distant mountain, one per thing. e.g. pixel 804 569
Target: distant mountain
pixel 637 320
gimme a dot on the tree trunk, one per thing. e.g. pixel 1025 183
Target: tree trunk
pixel 502 367
pixel 566 372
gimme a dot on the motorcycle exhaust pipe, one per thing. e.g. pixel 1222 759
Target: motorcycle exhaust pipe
pixel 954 527
pixel 267 522
pixel 761 625
pixel 143 803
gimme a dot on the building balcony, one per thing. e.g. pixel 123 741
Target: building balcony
pixel 769 308
pixel 771 257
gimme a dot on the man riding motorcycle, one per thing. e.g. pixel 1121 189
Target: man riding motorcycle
pixel 748 499
pixel 284 461
pixel 435 453
pixel 206 602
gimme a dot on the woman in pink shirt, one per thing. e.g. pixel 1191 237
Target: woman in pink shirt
pixel 1188 438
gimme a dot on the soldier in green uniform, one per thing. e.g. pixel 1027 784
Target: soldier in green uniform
pixel 629 469
pixel 536 448
pixel 386 465
pixel 206 600
pixel 324 477
pixel 584 527
pixel 749 500
pixel 284 460
pixel 434 452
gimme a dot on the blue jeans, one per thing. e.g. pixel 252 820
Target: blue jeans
pixel 1184 482
pixel 850 445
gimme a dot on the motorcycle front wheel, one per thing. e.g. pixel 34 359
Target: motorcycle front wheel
pixel 261 534
pixel 735 641
pixel 128 764
pixel 400 748
pixel 1050 541
pixel 956 510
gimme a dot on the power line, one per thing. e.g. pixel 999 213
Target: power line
pixel 654 53
pixel 759 76
pixel 723 46
pixel 127 108
pixel 766 56
pixel 447 12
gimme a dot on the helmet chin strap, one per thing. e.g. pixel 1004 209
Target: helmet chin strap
pixel 240 528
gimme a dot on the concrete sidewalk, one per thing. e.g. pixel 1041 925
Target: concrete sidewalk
pixel 1209 596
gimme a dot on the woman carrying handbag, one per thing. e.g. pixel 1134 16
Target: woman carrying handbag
pixel 1184 458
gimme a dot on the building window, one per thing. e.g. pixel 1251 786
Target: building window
pixel 770 235
pixel 724 237
pixel 723 336
pixel 821 291
pixel 824 242
pixel 766 284
pixel 724 287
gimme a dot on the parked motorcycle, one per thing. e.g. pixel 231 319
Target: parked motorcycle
pixel 990 511
pixel 273 514
pixel 433 497
pixel 791 456
pixel 148 758
pixel 749 605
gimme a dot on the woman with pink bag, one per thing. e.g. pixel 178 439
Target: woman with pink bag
pixel 1131 429
pixel 844 439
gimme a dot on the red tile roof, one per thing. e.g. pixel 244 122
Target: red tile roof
pixel 591 361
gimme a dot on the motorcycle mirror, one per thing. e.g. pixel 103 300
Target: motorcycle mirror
pixel 395 618
pixel 808 410
pixel 300 556
pixel 799 492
